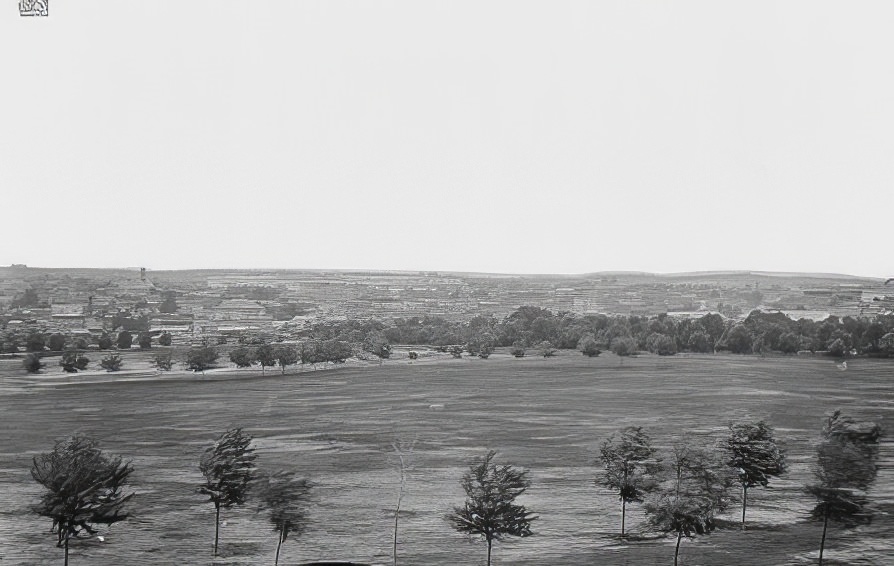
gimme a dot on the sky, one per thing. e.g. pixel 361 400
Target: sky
pixel 506 137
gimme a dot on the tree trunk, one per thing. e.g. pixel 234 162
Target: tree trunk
pixel 744 503
pixel 396 516
pixel 278 546
pixel 623 514
pixel 677 549
pixel 66 549
pixel 216 525
pixel 489 542
pixel 823 540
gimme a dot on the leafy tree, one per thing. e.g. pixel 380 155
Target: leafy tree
pixel 285 498
pixel 696 491
pixel 169 305
pixel 228 467
pixel 286 356
pixel 73 360
pixel 518 349
pixel 846 469
pixel 754 455
pixel 413 355
pixel 104 342
pixel 623 346
pixel 630 466
pixel 490 509
pixel 32 363
pixel 242 356
pixel 700 342
pixel 56 342
pixel 163 361
pixel 27 299
pixel 546 349
pixel 377 344
pixel 125 340
pixel 336 351
pixel 588 346
pixel 266 356
pixel 165 339
pixel 200 358
pixel 84 488
pixel 456 351
pixel 739 340
pixel 112 362
pixel 36 342
pixel 144 339
pixel 481 344
pixel 661 344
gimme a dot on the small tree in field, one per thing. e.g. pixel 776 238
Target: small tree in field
pixel 689 500
pixel 588 346
pixel 200 358
pixel 846 469
pixel 163 361
pixel 112 362
pixel 73 360
pixel 456 351
pixel 285 498
pixel 754 455
pixel 286 356
pixel 266 356
pixel 84 488
pixel 490 509
pixel 104 342
pixel 630 466
pixel 165 339
pixel 403 455
pixel 32 363
pixel 125 340
pixel 546 349
pixel 144 339
pixel 242 356
pixel 518 349
pixel 228 467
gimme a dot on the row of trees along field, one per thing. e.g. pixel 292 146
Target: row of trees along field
pixel 531 326
pixel 682 489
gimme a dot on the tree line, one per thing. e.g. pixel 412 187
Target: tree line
pixel 683 489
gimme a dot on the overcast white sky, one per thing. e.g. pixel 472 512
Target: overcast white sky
pixel 521 137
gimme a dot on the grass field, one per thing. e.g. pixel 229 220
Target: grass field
pixel 335 427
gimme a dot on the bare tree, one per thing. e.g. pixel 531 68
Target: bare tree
pixel 403 455
pixel 285 497
pixel 754 455
pixel 490 509
pixel 228 467
pixel 84 488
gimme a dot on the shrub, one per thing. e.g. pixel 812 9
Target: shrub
pixel 32 363
pixel 588 346
pixel 112 362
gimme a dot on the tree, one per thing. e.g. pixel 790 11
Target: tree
pixel 623 346
pixel 144 339
pixel 286 356
pixel 696 490
pixel 518 349
pixel 285 498
pixel 165 339
pixel 73 360
pixel 403 454
pixel 588 346
pixel 125 340
pixel 169 305
pixel 456 351
pixel 242 356
pixel 228 467
pixel 846 469
pixel 266 356
pixel 490 509
pixel 661 344
pixel 200 358
pixel 630 466
pixel 112 362
pixel 481 344
pixel 377 344
pixel 32 363
pixel 546 349
pixel 163 361
pixel 754 455
pixel 35 342
pixel 104 342
pixel 56 342
pixel 84 488
pixel 739 340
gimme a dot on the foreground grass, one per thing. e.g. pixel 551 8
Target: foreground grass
pixel 336 428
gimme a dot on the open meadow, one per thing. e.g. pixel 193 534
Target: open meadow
pixel 335 427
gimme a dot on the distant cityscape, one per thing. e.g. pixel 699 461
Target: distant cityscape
pixel 230 302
